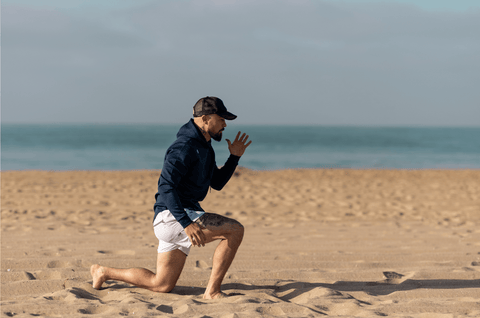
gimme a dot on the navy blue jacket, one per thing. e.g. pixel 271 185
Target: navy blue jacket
pixel 189 169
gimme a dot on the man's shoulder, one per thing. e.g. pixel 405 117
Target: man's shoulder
pixel 184 146
pixel 185 142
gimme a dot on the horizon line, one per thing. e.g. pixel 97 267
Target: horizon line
pixel 252 124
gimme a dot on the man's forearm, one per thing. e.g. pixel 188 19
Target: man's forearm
pixel 221 176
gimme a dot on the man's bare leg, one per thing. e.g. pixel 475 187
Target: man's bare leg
pixel 169 267
pixel 230 232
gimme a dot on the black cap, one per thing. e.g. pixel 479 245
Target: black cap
pixel 212 105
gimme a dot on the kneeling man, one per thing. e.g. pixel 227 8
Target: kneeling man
pixel 189 170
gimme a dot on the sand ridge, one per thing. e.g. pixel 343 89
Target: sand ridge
pixel 339 243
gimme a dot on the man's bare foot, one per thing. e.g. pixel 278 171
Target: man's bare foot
pixel 98 275
pixel 217 295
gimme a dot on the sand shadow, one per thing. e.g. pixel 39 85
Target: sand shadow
pixel 379 288
pixel 385 288
pixel 83 294
pixel 188 290
pixel 371 288
pixel 112 284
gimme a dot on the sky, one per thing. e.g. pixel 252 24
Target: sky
pixel 298 62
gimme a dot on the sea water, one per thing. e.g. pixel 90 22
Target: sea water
pixel 143 146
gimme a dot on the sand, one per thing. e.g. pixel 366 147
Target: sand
pixel 337 243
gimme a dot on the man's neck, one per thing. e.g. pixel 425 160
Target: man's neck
pixel 204 133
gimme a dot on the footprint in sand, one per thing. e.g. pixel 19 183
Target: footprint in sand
pixel 184 306
pixel 120 252
pixel 306 295
pixel 201 265
pixel 58 295
pixel 79 293
pixel 392 275
pixel 282 258
pixel 396 278
pixel 165 309
pixel 232 276
pixel 29 276
pixel 48 275
pixel 17 276
pixel 57 264
pixel 96 310
pixel 271 311
pixel 182 310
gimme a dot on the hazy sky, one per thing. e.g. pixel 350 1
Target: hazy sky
pixel 328 62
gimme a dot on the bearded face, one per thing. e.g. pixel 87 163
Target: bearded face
pixel 216 125
pixel 216 136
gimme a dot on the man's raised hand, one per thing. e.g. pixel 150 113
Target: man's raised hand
pixel 237 148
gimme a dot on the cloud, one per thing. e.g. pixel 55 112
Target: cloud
pixel 272 61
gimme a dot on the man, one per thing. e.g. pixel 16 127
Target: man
pixel 189 170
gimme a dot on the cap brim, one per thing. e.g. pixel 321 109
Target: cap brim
pixel 227 115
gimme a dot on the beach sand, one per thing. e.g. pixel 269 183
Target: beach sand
pixel 337 243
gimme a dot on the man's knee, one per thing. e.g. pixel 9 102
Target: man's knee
pixel 163 288
pixel 235 224
pixel 237 229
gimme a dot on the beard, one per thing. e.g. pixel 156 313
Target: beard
pixel 216 136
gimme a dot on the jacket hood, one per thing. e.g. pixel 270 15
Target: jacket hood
pixel 190 130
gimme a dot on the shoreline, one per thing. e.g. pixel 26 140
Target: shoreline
pixel 251 169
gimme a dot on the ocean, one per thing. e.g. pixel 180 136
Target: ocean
pixel 142 146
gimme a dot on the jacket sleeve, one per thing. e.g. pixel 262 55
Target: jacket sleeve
pixel 176 164
pixel 221 176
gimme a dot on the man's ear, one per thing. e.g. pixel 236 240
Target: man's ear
pixel 206 118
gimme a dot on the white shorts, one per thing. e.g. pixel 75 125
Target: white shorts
pixel 170 233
